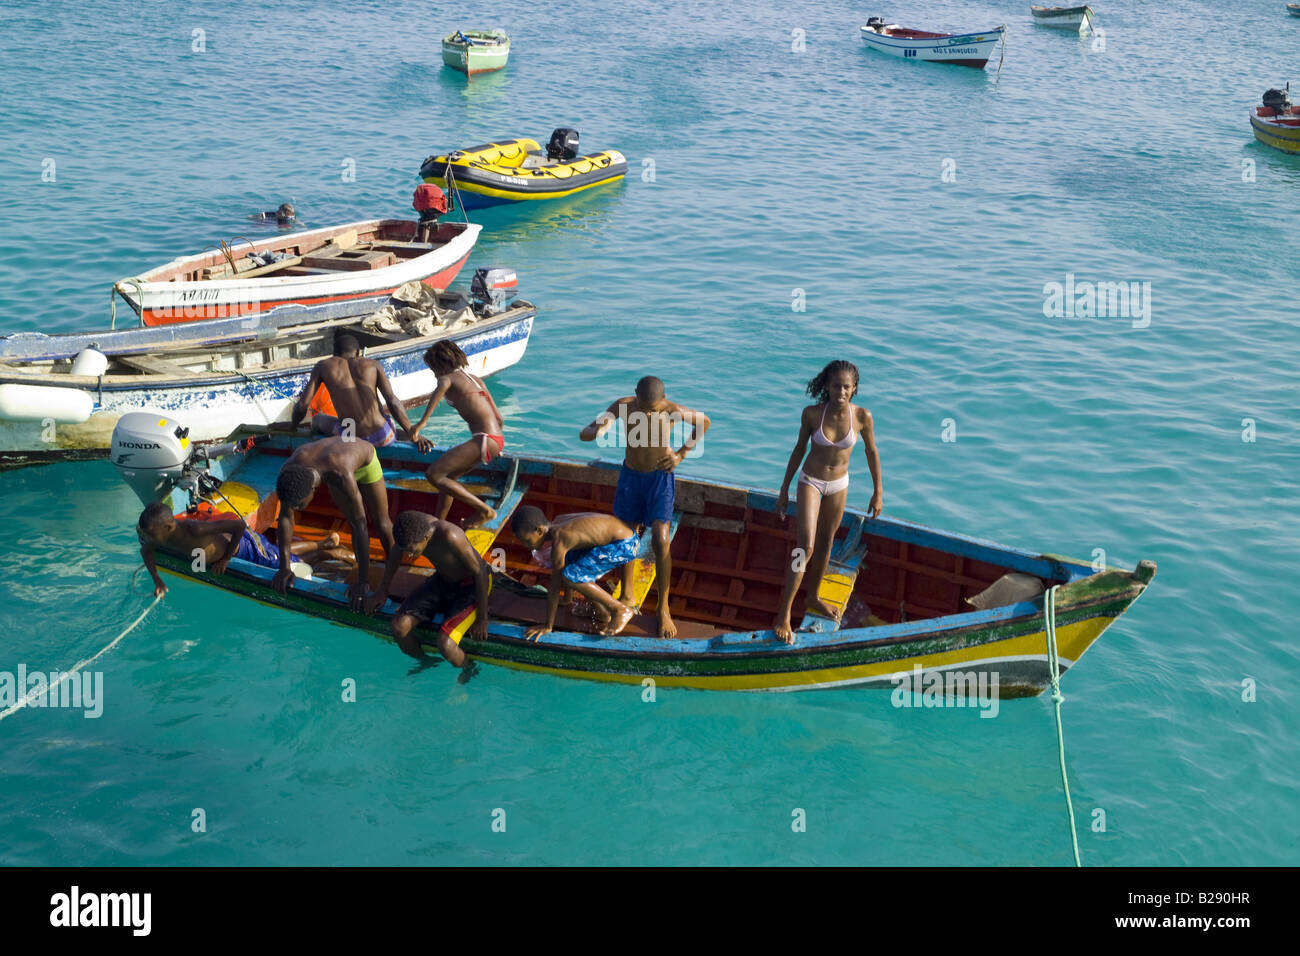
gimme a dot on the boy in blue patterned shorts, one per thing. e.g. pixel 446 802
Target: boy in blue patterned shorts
pixel 583 548
pixel 646 487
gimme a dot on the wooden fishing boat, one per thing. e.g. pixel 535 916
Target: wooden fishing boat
pixel 356 260
pixel 476 51
pixel 53 410
pixel 903 587
pixel 1277 123
pixel 962 49
pixel 1293 9
pixel 516 170
pixel 1074 19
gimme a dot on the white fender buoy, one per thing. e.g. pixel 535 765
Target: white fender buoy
pixel 90 362
pixel 36 403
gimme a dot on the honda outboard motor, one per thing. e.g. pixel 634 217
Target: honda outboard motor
pixel 154 455
pixel 492 290
pixel 150 452
pixel 563 145
pixel 1279 100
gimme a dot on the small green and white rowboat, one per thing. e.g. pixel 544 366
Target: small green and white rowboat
pixel 476 51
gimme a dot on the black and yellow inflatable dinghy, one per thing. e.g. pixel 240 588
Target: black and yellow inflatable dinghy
pixel 514 170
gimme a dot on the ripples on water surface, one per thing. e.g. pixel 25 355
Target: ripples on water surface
pixel 774 171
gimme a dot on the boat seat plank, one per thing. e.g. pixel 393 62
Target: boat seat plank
pixel 643 565
pixel 836 585
pixel 485 535
pixel 153 365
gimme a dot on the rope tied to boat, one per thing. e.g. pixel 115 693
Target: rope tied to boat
pixel 113 292
pixel 14 708
pixel 1003 55
pixel 1054 671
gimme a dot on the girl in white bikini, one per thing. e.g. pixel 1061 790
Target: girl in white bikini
pixel 474 403
pixel 824 484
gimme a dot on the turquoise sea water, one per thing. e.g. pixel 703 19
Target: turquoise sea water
pixel 774 170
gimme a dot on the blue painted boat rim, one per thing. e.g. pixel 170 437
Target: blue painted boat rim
pixel 947 39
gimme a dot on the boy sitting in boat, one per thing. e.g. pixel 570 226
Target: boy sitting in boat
pixel 221 540
pixel 458 589
pixel 350 468
pixel 354 384
pixel 646 490
pixel 583 548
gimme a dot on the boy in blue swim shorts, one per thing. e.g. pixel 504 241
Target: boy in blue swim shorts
pixel 646 491
pixel 583 549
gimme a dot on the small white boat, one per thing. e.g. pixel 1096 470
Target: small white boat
pixel 962 49
pixel 1074 19
pixel 62 395
pixel 1293 9
pixel 357 260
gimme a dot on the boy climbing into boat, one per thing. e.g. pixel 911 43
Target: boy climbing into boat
pixel 351 471
pixel 354 384
pixel 646 490
pixel 220 540
pixel 583 548
pixel 823 486
pixel 471 399
pixel 458 589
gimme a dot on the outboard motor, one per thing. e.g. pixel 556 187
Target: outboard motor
pixel 563 145
pixel 150 452
pixel 154 455
pixel 875 22
pixel 492 290
pixel 1279 100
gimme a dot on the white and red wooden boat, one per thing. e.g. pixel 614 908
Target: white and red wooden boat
pixel 357 260
pixel 963 49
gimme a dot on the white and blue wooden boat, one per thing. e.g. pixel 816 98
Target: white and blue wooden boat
pixel 1293 9
pixel 961 49
pixel 52 409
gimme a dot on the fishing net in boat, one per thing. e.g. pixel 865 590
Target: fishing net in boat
pixel 413 309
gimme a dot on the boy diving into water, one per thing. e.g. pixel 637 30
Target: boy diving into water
pixel 584 548
pixel 220 541
pixel 458 589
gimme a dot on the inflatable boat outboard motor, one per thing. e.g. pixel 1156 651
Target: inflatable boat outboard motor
pixel 492 290
pixel 563 145
pixel 154 455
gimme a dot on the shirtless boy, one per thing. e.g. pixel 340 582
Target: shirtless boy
pixel 584 548
pixel 458 589
pixel 220 541
pixel 646 489
pixel 352 382
pixel 355 479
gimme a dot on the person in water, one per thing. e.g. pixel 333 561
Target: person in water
pixel 284 215
pixel 834 426
pixel 471 399
pixel 354 384
pixel 351 470
pixel 458 589
pixel 646 490
pixel 221 540
pixel 583 548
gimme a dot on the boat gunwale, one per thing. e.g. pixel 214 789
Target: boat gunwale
pixel 521 311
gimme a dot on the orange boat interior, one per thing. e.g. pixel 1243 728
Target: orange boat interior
pixel 728 559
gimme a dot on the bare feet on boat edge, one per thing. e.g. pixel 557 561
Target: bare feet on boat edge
pixel 618 621
pixel 783 630
pixel 470 523
pixel 330 540
pixel 820 608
